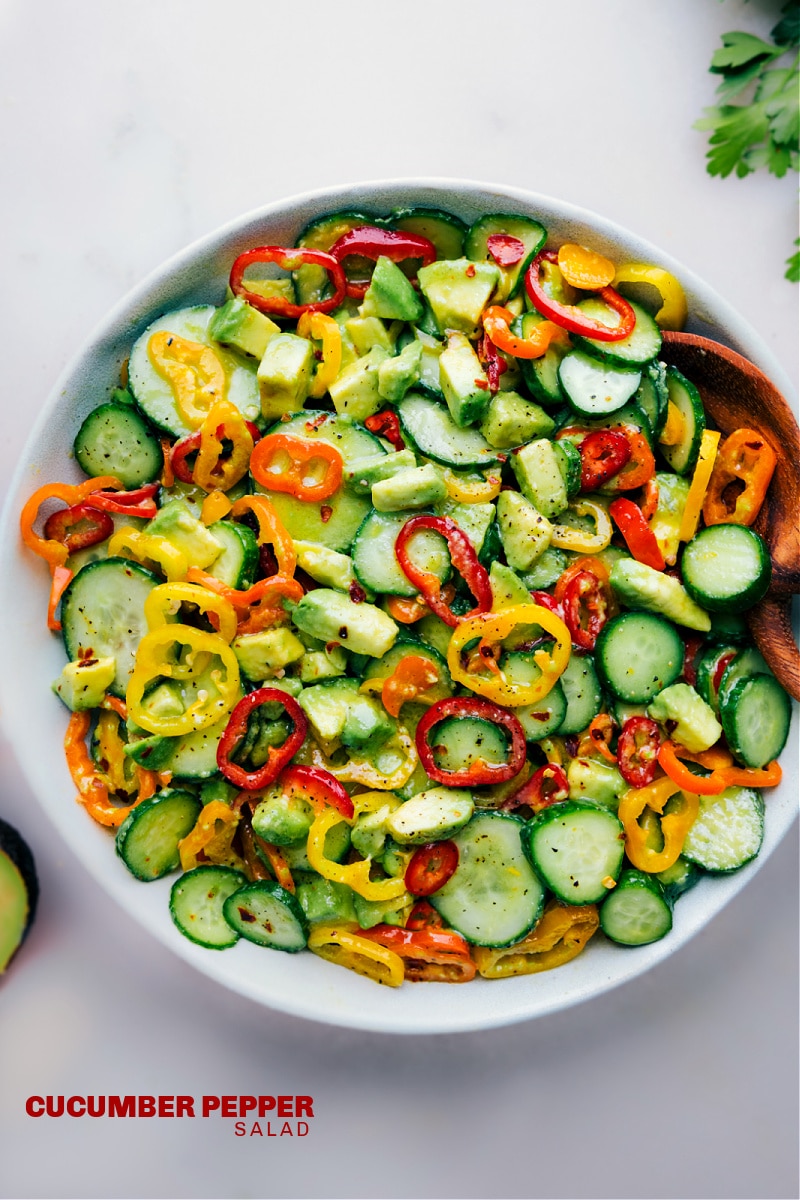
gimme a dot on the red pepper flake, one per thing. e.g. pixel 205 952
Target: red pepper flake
pixel 357 593
pixel 331 646
pixel 482 384
pixel 470 271
pixel 325 513
pixel 315 424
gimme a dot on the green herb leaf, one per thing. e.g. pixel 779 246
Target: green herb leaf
pixel 740 48
pixel 736 129
pixel 793 265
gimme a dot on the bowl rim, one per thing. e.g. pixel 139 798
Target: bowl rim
pixel 709 311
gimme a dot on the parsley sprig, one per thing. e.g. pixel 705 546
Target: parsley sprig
pixel 763 130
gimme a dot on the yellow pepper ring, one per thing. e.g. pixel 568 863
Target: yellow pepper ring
pixel 703 471
pixel 567 537
pixel 211 472
pixel 343 945
pixel 493 628
pixel 360 770
pixel 163 597
pixel 355 875
pixel 193 371
pixel 672 314
pixel 111 753
pixel 674 826
pixel 143 546
pixel 323 328
pixel 152 663
pixel 471 491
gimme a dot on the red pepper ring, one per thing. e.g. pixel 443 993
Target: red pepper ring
pixel 603 453
pixel 431 954
pixel 637 751
pixel 492 361
pixel 289 260
pixel 191 445
pixel 137 503
pixel 318 788
pixel 464 560
pixel 585 593
pixel 278 756
pixel 386 424
pixel 478 773
pixel 549 785
pixel 370 241
pixel 639 537
pixel 424 916
pixel 430 867
pixel 571 318
pixel 58 525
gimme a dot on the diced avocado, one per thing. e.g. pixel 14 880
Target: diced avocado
pixel 326 566
pixel 355 389
pixel 463 381
pixel 640 586
pixel 391 294
pixel 218 789
pixel 240 325
pixel 416 487
pixel 696 726
pixel 83 684
pixel 316 665
pixel 334 617
pixel 260 654
pixel 338 712
pixel 273 289
pixel 367 332
pixel 596 780
pixel 539 477
pixel 507 587
pixel 458 291
pixel 369 833
pixel 367 725
pixel 673 491
pixel 524 532
pixel 474 519
pixel 152 752
pixel 513 421
pixel 435 632
pixel 164 701
pixel 282 818
pixel 285 374
pixel 176 522
pixel 396 375
pixel 337 844
pixel 431 816
pixel 382 912
pixel 326 901
pixel 364 472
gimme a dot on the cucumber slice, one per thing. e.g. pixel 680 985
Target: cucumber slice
pixel 382 668
pixel 461 741
pixel 116 440
pixel 494 897
pixel 194 756
pixel 726 568
pixel 637 911
pixel 652 396
pixel 568 457
pixel 236 565
pixel 583 694
pixel 147 840
pixel 596 389
pixel 443 229
pixel 746 663
pixel 545 717
pixel 374 559
pixel 638 348
pixel 435 434
pixel 311 283
pixel 540 374
pixel 102 610
pixel 728 830
pixel 682 456
pixel 575 847
pixel 638 655
pixel 196 902
pixel 265 913
pixel 529 232
pixel 155 395
pixel 707 665
pixel 546 570
pixel 755 719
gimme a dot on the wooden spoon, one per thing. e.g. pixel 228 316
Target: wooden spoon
pixel 737 394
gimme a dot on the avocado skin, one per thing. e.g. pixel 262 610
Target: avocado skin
pixel 14 847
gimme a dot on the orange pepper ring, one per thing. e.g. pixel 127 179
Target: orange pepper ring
pixel 301 453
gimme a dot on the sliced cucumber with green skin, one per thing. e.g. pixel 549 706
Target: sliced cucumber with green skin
pixel 637 655
pixel 546 570
pixel 147 840
pixel 382 668
pixel 756 718
pixel 747 662
pixel 265 913
pixel 312 283
pixel 529 232
pixel 443 229
pixel 236 565
pixel 194 755
pixel 682 456
pixel 726 568
pixel 540 374
pixel 196 903
pixel 727 832
pixel 574 847
pixel 461 741
pixel 154 394
pixel 637 911
pixel 568 457
pixel 706 669
pixel 584 696
pixel 546 716
pixel 679 878
pixel 728 627
pixel 639 347
pixel 593 388
pixel 116 440
pixel 494 897
pixel 352 440
pixel 374 559
pixel 429 426
pixel 102 611
pixel 652 396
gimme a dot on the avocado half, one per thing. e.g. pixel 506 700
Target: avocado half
pixel 19 892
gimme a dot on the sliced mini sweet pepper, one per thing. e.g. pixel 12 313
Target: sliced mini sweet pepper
pixel 698 487
pixel 571 318
pixel 603 453
pixel 346 946
pixel 52 550
pixel 92 785
pixel 271 531
pixel 386 424
pixel 463 558
pixel 673 310
pixel 61 578
pixel 479 773
pixel 355 874
pixel 216 468
pixel 307 470
pixel 318 788
pixel 584 268
pixel 411 678
pixel 165 600
pixel 277 757
pixel 674 826
pixel 211 837
pixel 601 729
pixel 560 935
pixel 587 606
pixel 569 537
pixel 639 537
pixel 193 371
pixel 430 955
pixel 373 242
pixel 740 478
pixel 720 778
pixel 150 547
pixel 467 490
pixel 547 785
pixel 288 260
pixel 215 506
pixel 637 751
pixel 154 660
pixel 322 328
pixel 492 628
pixel 137 503
pixel 496 321
pixel 78 527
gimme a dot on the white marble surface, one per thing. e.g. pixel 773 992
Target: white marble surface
pixel 126 132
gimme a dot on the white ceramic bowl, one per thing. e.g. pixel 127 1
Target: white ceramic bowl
pixel 35 720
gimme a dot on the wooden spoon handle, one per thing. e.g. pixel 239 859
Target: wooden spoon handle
pixel 771 626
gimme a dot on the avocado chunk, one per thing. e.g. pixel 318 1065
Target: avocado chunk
pixel 695 727
pixel 368 835
pixel 396 375
pixel 153 752
pixel 261 654
pixel 333 617
pixel 474 519
pixel 595 780
pixel 282 818
pixel 339 714
pixel 326 566
pixel 431 816
pixel 364 472
pixel 524 532
pixel 322 900
pixel 285 374
pixel 665 523
pixel 316 665
pixel 366 726
pixel 391 294
pixel 641 587
pixel 539 476
pixel 177 523
pixel 19 892
pixel 463 381
pixel 355 389
pixel 243 327
pixel 507 587
pixel 84 683
pixel 416 487
pixel 368 332
pixel 458 291
pixel 513 421
pixel 382 912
